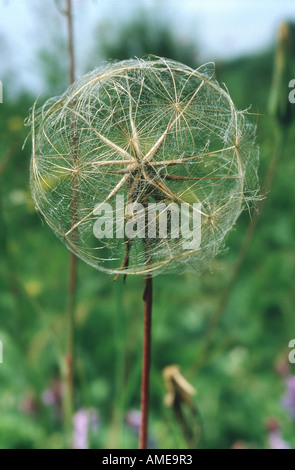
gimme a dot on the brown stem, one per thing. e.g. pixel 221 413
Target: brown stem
pixel 71 327
pixel 69 358
pixel 145 382
pixel 70 42
pixel 68 366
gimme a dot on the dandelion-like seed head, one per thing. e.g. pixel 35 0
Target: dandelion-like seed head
pixel 151 132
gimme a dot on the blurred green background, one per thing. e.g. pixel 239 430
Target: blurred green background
pixel 238 365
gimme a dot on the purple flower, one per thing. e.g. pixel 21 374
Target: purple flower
pixel 133 419
pixel 52 397
pixel 288 400
pixel 85 423
pixel 276 440
pixel 48 397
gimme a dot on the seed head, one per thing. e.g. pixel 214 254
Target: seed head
pixel 152 132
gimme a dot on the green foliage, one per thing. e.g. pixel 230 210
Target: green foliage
pixel 143 36
pixel 53 68
pixel 238 386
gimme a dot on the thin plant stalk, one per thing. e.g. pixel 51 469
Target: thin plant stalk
pixel 69 356
pixel 216 317
pixel 71 54
pixel 72 286
pixel 146 362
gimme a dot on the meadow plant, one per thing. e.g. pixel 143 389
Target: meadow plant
pixel 143 132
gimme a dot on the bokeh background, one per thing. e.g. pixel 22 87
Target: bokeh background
pixel 227 330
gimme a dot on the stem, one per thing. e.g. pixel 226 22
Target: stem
pixel 145 382
pixel 70 42
pixel 68 363
pixel 70 328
